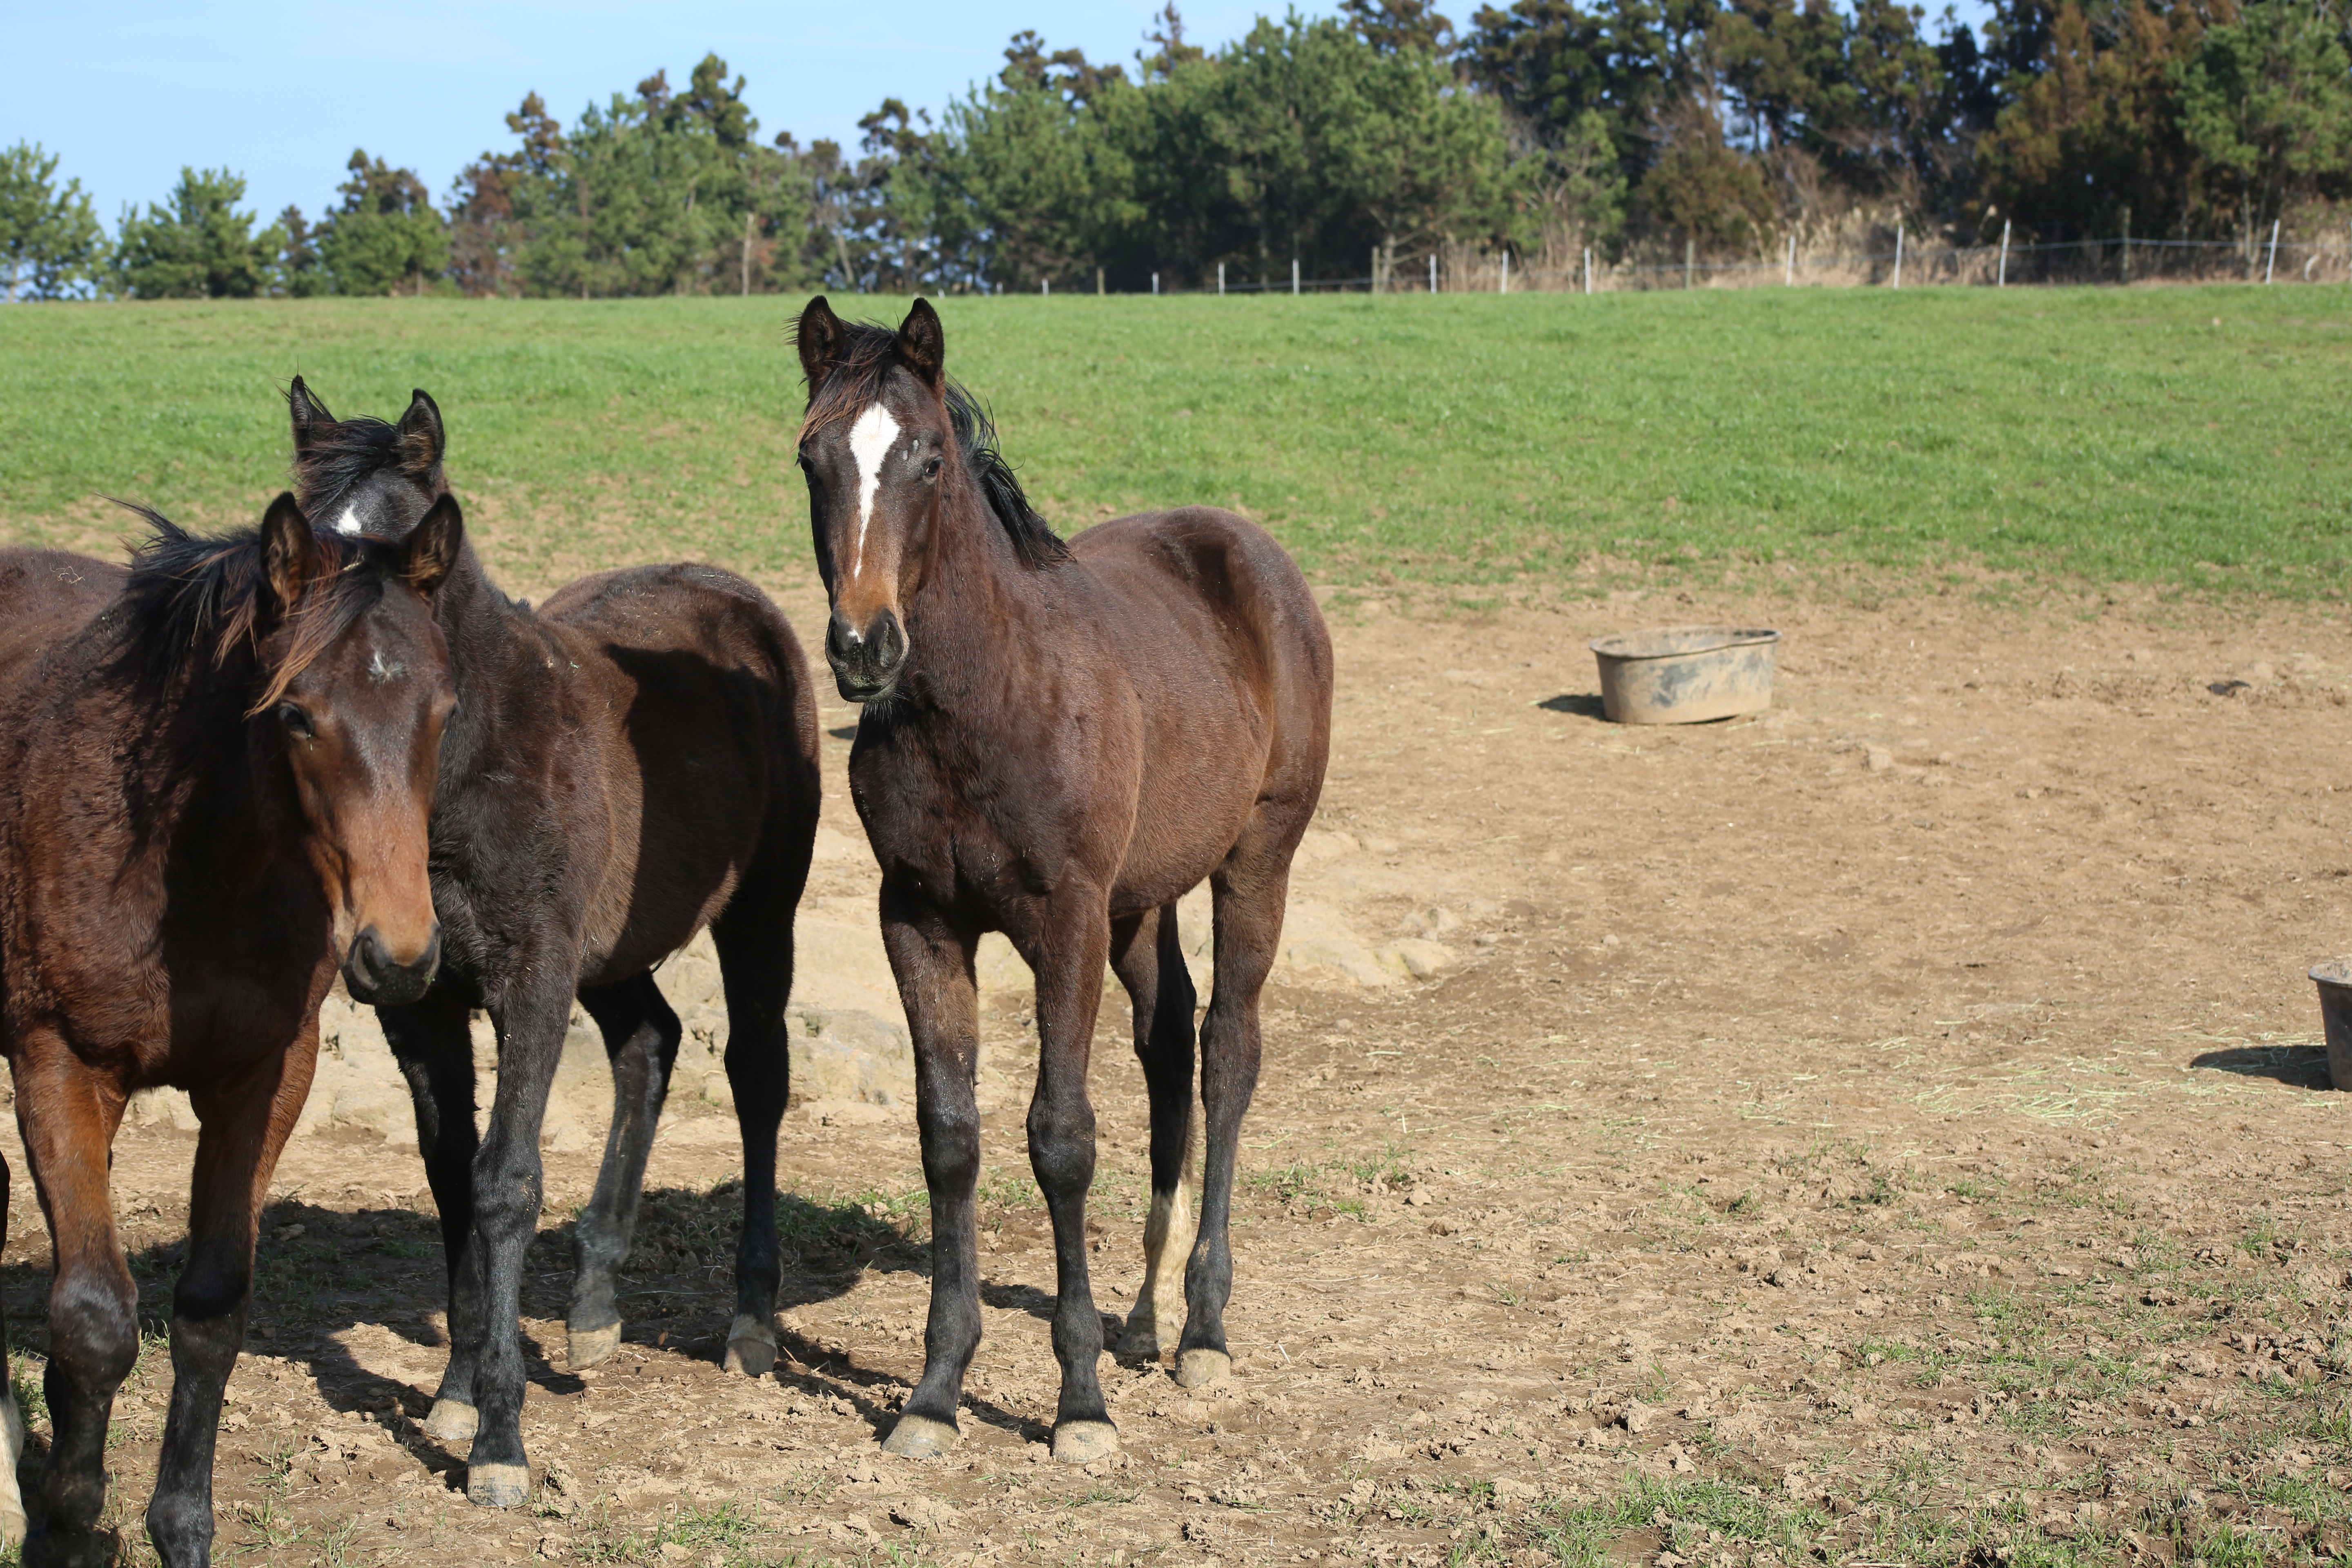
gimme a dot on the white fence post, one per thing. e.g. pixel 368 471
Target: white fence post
pixel 2270 264
pixel 1433 272
pixel 1899 256
pixel 1221 278
pixel 1044 285
pixel 1293 277
pixel 1588 272
pixel 1155 283
pixel 1504 287
pixel 1788 272
pixel 2000 279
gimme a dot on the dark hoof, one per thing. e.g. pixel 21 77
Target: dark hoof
pixel 46 1548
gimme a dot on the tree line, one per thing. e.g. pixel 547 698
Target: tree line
pixel 1348 145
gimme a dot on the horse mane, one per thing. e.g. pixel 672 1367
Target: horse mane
pixel 855 381
pixel 187 592
pixel 344 453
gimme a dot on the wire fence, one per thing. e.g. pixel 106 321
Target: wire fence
pixel 2262 259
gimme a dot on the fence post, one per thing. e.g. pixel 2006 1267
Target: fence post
pixel 1504 287
pixel 1044 285
pixel 2126 247
pixel 1433 272
pixel 1155 283
pixel 1899 256
pixel 1788 272
pixel 1221 280
pixel 1588 272
pixel 2273 262
pixel 1098 283
pixel 1293 277
pixel 1690 259
pixel 2000 279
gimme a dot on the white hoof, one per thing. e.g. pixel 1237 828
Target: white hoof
pixel 920 1437
pixel 751 1347
pixel 452 1421
pixel 1084 1442
pixel 1198 1369
pixel 498 1486
pixel 586 1347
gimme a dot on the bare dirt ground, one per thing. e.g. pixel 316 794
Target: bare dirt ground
pixel 1888 1130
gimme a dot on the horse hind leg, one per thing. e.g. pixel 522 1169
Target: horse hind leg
pixel 755 964
pixel 641 1038
pixel 12 1420
pixel 1250 890
pixel 1148 959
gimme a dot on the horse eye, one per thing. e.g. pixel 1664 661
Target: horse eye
pixel 932 469
pixel 297 722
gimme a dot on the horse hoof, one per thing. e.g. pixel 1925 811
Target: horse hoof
pixel 586 1347
pixel 452 1421
pixel 1140 1340
pixel 498 1486
pixel 72 1549
pixel 920 1437
pixel 1198 1369
pixel 1084 1442
pixel 750 1348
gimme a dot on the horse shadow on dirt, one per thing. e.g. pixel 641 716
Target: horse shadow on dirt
pixel 2297 1067
pixel 321 1272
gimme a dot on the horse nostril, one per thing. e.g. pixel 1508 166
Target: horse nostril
pixel 841 639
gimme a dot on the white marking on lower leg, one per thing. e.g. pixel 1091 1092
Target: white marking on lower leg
pixel 869 443
pixel 1168 1237
pixel 12 1448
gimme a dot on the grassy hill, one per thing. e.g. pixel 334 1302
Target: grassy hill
pixel 2190 437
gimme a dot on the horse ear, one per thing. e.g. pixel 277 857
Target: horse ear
pixel 430 551
pixel 289 555
pixel 309 413
pixel 820 337
pixel 420 437
pixel 922 345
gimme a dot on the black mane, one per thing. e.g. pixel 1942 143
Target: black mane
pixel 345 455
pixel 190 595
pixel 868 352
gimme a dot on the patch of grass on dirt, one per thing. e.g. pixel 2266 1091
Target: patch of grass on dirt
pixel 2153 436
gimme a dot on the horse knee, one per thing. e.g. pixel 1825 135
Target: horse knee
pixel 950 1149
pixel 93 1331
pixel 1062 1144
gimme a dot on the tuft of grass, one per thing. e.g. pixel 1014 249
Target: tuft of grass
pixel 1972 433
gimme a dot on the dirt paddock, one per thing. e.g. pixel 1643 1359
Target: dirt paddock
pixel 1891 1130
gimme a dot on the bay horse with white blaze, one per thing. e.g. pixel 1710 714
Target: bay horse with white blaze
pixel 632 762
pixel 1058 741
pixel 214 777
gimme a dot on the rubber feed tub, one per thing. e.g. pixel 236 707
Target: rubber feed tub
pixel 2335 982
pixel 1684 675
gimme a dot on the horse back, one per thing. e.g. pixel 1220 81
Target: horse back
pixel 46 596
pixel 708 742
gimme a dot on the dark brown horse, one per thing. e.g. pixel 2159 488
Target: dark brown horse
pixel 633 763
pixel 215 779
pixel 1058 741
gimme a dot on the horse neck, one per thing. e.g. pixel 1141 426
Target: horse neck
pixel 487 648
pixel 198 775
pixel 979 604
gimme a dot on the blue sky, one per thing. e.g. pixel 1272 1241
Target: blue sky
pixel 282 92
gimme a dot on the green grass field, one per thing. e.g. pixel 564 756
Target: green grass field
pixel 2093 435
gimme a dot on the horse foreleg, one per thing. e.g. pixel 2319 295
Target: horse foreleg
pixel 435 1047
pixel 933 964
pixel 1068 954
pixel 12 1420
pixel 641 1035
pixel 755 959
pixel 508 1182
pixel 246 1121
pixel 68 1117
pixel 1249 900
pixel 1148 959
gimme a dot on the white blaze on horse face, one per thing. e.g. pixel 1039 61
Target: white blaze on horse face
pixel 869 443
pixel 350 522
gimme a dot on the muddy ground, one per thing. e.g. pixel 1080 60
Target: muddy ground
pixel 1889 1129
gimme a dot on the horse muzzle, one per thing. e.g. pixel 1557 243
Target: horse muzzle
pixel 866 664
pixel 373 974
